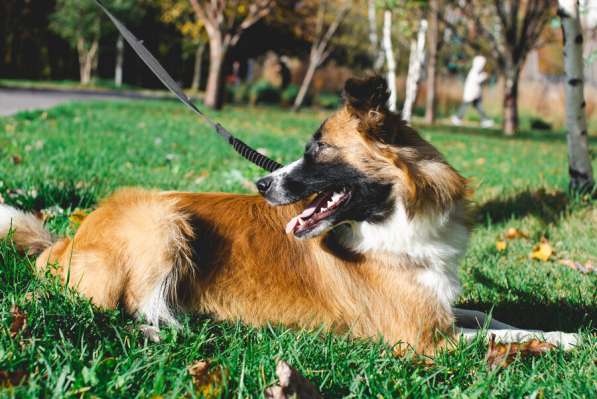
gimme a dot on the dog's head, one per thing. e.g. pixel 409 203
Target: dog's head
pixel 358 164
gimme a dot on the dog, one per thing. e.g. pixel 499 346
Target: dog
pixel 362 235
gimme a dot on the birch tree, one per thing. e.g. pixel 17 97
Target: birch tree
pixel 320 47
pixel 416 59
pixel 433 34
pixel 377 53
pixel 225 22
pixel 579 160
pixel 388 49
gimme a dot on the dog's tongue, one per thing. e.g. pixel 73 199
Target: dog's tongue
pixel 310 210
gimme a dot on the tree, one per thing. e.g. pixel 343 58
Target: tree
pixel 505 31
pixel 377 53
pixel 79 23
pixel 128 11
pixel 225 22
pixel 181 14
pixel 579 160
pixel 433 35
pixel 320 47
pixel 417 57
pixel 390 58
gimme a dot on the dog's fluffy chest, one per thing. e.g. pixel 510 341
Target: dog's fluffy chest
pixel 431 243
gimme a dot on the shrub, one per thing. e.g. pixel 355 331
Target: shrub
pixel 540 124
pixel 262 92
pixel 238 94
pixel 328 100
pixel 289 94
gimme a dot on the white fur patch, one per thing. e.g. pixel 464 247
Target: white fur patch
pixel 155 308
pixel 436 242
pixel 8 218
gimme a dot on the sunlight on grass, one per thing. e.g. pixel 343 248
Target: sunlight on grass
pixel 72 156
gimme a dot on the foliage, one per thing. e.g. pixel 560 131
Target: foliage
pixel 180 14
pixel 75 20
pixel 263 92
pixel 289 94
pixel 240 93
pixel 328 100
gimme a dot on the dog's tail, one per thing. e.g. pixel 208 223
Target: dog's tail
pixel 29 233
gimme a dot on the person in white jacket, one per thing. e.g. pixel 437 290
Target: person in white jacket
pixel 473 92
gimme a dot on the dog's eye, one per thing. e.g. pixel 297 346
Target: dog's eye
pixel 314 148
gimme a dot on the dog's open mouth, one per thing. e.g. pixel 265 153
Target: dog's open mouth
pixel 324 206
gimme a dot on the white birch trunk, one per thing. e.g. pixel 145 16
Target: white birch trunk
pixel 377 52
pixel 417 56
pixel 119 61
pixel 390 61
pixel 579 160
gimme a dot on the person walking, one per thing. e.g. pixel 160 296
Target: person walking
pixel 473 93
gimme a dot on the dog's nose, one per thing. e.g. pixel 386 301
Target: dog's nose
pixel 264 184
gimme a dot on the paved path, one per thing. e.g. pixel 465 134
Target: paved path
pixel 16 100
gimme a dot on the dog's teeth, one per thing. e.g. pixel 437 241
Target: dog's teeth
pixel 301 221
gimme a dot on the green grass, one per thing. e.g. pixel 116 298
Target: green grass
pixel 73 155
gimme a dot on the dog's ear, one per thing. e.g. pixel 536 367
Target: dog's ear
pixel 368 94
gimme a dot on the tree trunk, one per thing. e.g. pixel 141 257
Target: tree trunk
pixel 87 59
pixel 432 62
pixel 214 95
pixel 313 63
pixel 390 61
pixel 417 56
pixel 510 103
pixel 377 53
pixel 197 69
pixel 579 160
pixel 119 61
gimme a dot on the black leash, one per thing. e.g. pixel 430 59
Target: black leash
pixel 243 149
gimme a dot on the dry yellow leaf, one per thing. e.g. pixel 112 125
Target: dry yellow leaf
pixel 501 355
pixel 208 381
pixel 513 233
pixel 501 245
pixel 542 251
pixel 77 217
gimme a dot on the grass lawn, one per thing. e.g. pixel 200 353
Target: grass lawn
pixel 73 155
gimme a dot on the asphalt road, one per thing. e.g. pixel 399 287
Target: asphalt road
pixel 16 100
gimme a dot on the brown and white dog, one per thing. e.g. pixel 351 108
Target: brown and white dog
pixel 363 234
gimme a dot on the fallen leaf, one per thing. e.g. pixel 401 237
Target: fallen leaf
pixel 150 332
pixel 12 378
pixel 501 245
pixel 542 251
pixel 207 380
pixel 19 321
pixel 480 161
pixel 292 384
pixel 16 159
pixel 502 354
pixel 587 268
pixel 77 217
pixel 513 233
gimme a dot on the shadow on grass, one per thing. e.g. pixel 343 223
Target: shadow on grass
pixel 547 206
pixel 533 135
pixel 530 312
